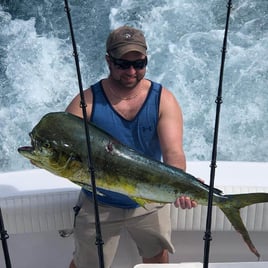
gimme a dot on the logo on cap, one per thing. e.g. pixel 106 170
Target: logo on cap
pixel 127 35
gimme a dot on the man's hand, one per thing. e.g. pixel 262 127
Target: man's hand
pixel 185 202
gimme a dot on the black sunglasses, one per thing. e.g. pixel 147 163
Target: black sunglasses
pixel 125 64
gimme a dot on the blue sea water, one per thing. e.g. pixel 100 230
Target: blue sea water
pixel 38 75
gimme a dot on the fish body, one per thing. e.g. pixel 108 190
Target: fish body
pixel 59 145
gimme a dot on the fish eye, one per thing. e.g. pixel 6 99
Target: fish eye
pixel 46 145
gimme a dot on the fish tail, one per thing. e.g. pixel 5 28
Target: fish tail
pixel 231 208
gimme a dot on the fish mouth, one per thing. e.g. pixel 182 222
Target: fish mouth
pixel 29 152
pixel 37 156
pixel 26 150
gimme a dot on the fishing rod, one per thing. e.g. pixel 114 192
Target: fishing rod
pixel 207 236
pixel 99 241
pixel 4 236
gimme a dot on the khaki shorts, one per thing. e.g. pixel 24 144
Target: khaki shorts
pixel 150 228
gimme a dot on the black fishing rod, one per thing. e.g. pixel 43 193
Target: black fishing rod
pixel 4 236
pixel 99 241
pixel 213 165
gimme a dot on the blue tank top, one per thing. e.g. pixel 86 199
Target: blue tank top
pixel 140 133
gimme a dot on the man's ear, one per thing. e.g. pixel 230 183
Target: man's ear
pixel 108 60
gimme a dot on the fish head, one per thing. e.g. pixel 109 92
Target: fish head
pixel 41 153
pixel 51 148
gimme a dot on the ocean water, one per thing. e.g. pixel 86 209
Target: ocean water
pixel 38 74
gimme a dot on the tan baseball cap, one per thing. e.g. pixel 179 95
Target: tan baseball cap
pixel 125 39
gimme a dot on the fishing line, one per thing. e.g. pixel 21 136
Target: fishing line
pixel 213 165
pixel 99 241
pixel 4 236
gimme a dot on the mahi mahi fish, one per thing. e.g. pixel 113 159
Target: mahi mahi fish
pixel 59 145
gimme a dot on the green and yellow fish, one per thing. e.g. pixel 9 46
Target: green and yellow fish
pixel 58 144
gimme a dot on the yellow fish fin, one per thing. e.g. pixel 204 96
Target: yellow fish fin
pixel 141 201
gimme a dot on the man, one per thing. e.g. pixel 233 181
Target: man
pixel 145 116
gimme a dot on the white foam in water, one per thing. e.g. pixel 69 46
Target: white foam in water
pixel 38 72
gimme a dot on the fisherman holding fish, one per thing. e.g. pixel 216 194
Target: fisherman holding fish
pixel 134 123
pixel 145 116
